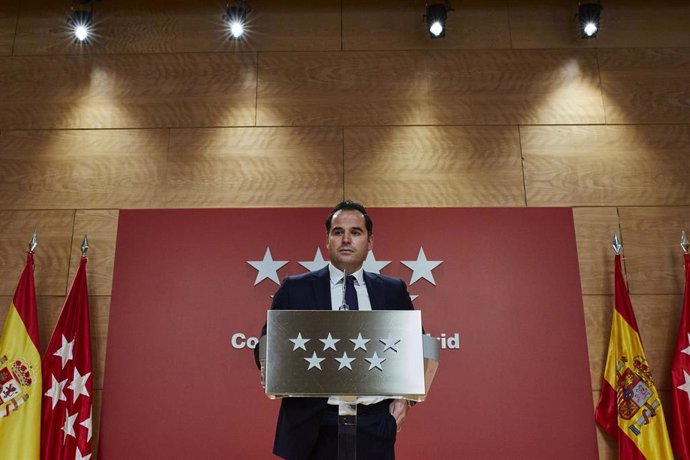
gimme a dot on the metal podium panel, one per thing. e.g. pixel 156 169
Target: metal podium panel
pixel 348 353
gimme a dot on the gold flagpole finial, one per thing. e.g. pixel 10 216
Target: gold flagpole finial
pixel 84 246
pixel 617 246
pixel 33 243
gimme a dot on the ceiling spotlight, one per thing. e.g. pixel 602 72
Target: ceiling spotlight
pixel 80 20
pixel 435 19
pixel 589 16
pixel 236 19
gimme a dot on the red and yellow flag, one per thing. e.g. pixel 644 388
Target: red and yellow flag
pixel 629 408
pixel 680 378
pixel 20 373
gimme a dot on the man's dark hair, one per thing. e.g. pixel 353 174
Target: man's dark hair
pixel 349 205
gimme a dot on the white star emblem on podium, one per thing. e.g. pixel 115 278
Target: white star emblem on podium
pixel 314 361
pixel 329 342
pixel 299 342
pixel 345 361
pixel 389 343
pixel 375 361
pixel 360 342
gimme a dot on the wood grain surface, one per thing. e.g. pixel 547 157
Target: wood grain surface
pixel 654 258
pixel 8 24
pixel 646 85
pixel 253 167
pixel 101 228
pixel 169 26
pixel 122 91
pixel 434 166
pixel 80 168
pixel 624 23
pixel 399 25
pixel 428 88
pixel 594 229
pixel 606 165
pixel 51 260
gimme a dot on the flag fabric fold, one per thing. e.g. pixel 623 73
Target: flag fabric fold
pixel 680 378
pixel 629 408
pixel 68 380
pixel 20 373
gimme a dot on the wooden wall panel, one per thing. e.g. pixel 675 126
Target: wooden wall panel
pixel 96 420
pixel 168 26
pixel 80 168
pixel 54 230
pixel 398 25
pixel 598 313
pixel 651 239
pixel 468 87
pixel 8 23
pixel 434 166
pixel 141 91
pixel 594 228
pixel 624 23
pixel 606 165
pixel 101 228
pixel 646 85
pixel 99 312
pixel 658 317
pixel 253 167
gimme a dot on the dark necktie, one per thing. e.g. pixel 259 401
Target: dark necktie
pixel 351 293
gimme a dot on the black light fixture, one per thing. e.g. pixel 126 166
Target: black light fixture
pixel 589 16
pixel 236 19
pixel 80 20
pixel 435 19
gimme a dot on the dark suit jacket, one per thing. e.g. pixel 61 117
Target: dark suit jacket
pixel 299 418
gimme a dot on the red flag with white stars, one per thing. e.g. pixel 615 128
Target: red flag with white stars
pixel 66 422
pixel 680 378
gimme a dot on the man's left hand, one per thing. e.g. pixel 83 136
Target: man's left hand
pixel 398 409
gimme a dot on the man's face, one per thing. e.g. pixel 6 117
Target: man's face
pixel 348 240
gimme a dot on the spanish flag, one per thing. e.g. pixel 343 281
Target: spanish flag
pixel 629 408
pixel 20 373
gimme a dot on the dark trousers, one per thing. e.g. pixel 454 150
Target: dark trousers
pixel 376 430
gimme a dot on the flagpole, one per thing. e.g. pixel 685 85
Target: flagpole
pixel 33 244
pixel 84 245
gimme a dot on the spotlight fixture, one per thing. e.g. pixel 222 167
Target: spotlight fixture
pixel 435 19
pixel 236 19
pixel 80 20
pixel 589 16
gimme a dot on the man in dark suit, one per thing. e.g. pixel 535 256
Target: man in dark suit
pixel 307 428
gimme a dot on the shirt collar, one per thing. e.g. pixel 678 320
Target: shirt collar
pixel 337 275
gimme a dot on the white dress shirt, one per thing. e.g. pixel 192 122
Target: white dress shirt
pixel 337 280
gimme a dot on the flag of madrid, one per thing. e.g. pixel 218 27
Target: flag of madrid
pixel 66 422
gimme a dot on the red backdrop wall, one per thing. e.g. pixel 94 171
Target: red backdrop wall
pixel 517 388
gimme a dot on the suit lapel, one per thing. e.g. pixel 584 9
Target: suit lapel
pixel 375 290
pixel 321 286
